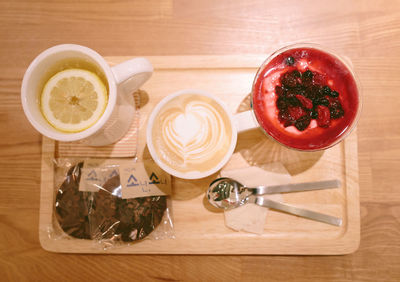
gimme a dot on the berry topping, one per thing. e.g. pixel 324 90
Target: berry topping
pixel 289 80
pixel 326 90
pixel 303 122
pixel 314 113
pixel 322 101
pixel 290 61
pixel 307 78
pixel 296 74
pixel 305 102
pixel 299 89
pixel 324 117
pixel 304 96
pixel 336 112
pixel 333 102
pixel 282 103
pixel 296 112
pixel 308 74
pixel 334 94
pixel 285 118
pixel 278 90
pixel 289 93
pixel 312 92
pixel 318 79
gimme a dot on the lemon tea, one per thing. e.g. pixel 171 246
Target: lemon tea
pixel 73 95
pixel 71 63
pixel 59 66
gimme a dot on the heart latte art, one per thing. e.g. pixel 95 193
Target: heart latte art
pixel 192 133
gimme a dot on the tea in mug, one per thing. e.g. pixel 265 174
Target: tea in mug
pixel 73 95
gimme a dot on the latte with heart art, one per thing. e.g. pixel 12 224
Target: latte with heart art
pixel 192 133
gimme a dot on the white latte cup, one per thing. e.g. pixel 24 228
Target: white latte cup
pixel 191 134
pixel 122 79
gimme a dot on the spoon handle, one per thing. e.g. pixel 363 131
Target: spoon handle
pixel 298 211
pixel 297 187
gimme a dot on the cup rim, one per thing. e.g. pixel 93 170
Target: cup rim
pixel 346 61
pixel 112 95
pixel 170 170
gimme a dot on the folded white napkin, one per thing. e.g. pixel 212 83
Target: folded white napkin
pixel 250 217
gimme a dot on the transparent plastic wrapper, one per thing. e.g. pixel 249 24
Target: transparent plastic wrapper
pixel 94 209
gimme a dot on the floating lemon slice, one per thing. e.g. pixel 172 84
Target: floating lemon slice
pixel 73 100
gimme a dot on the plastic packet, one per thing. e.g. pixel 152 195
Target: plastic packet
pixel 88 205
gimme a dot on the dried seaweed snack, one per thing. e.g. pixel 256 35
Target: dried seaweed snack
pixel 126 219
pixel 72 206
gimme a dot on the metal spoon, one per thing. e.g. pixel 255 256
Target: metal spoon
pixel 225 182
pixel 227 193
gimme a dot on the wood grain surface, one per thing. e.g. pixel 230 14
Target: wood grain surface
pixel 368 32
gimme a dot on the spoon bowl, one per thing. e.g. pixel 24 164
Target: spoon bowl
pixel 227 193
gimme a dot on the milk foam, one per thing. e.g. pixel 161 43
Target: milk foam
pixel 187 126
pixel 192 133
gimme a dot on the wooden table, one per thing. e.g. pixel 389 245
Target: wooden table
pixel 368 32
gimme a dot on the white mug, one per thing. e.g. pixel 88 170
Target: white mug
pixel 238 123
pixel 123 79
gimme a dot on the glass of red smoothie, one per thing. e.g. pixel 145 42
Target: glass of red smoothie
pixel 306 97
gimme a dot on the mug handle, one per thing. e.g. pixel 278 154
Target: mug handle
pixel 133 73
pixel 245 121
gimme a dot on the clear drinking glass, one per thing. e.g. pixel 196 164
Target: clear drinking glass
pixel 316 58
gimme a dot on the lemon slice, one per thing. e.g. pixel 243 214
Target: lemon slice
pixel 73 100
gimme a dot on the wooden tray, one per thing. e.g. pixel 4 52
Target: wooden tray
pixel 200 229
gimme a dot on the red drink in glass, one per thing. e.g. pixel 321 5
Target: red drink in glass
pixel 306 98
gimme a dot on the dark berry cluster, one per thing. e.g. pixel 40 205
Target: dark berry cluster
pixel 303 96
